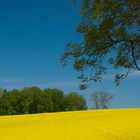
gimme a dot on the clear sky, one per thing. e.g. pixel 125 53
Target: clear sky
pixel 33 36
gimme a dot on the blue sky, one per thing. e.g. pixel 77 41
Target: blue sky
pixel 33 36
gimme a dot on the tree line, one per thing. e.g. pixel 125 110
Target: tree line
pixel 35 100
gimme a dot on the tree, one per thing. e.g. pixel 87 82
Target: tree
pixel 2 91
pixel 101 99
pixel 34 100
pixel 58 99
pixel 41 102
pixel 75 102
pixel 111 38
pixel 9 103
pixel 26 99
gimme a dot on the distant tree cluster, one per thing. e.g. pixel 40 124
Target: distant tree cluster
pixel 35 100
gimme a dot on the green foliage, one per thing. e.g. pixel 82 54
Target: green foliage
pixel 58 99
pixel 34 100
pixel 111 37
pixel 75 102
pixel 2 91
pixel 9 103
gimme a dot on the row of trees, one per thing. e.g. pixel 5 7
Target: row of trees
pixel 35 100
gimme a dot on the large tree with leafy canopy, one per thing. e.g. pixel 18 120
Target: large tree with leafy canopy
pixel 111 37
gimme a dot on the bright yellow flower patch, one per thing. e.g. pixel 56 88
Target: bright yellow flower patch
pixel 123 124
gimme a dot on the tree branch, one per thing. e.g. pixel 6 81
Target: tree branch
pixel 134 59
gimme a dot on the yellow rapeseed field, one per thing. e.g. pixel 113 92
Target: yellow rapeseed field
pixel 117 124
